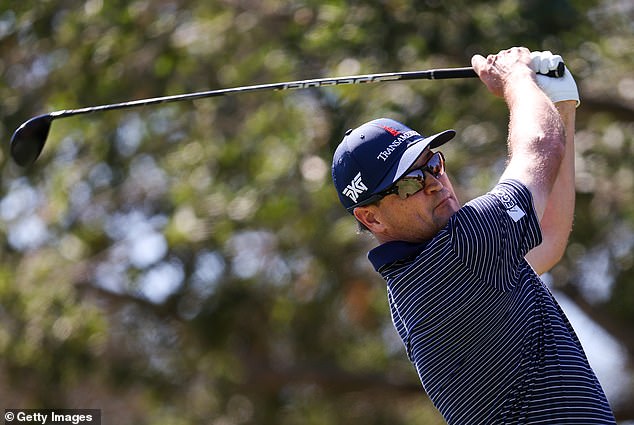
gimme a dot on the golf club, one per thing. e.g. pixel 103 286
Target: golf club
pixel 28 140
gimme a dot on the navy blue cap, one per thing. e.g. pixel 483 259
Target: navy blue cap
pixel 372 157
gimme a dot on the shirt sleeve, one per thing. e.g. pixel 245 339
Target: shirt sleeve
pixel 493 233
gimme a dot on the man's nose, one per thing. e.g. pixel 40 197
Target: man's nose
pixel 432 184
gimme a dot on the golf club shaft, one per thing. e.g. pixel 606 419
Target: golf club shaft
pixel 28 140
pixel 432 74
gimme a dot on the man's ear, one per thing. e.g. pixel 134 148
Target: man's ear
pixel 370 216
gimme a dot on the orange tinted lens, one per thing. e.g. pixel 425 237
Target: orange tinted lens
pixel 436 165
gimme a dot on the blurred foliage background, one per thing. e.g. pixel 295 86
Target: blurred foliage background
pixel 190 263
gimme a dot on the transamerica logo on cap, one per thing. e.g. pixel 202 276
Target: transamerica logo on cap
pixel 355 188
pixel 385 154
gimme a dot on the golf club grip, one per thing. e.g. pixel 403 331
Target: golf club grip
pixel 468 72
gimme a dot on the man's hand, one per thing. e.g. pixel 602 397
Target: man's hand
pixel 557 89
pixel 499 71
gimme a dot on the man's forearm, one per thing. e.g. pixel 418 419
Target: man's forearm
pixel 557 220
pixel 562 197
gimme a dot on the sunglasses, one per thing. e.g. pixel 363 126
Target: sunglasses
pixel 414 181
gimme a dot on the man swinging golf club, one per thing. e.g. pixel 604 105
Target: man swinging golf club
pixel 489 341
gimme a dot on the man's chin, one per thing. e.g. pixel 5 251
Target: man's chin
pixel 448 206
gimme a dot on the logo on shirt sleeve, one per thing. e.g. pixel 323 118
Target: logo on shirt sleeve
pixel 511 207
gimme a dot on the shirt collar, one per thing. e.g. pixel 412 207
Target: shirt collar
pixel 390 252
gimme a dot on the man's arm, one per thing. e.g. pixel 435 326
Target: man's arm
pixel 557 221
pixel 536 132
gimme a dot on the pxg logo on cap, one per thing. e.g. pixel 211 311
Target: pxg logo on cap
pixel 373 156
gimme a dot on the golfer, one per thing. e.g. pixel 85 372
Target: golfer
pixel 490 343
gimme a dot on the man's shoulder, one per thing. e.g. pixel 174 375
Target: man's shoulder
pixel 509 196
pixel 507 191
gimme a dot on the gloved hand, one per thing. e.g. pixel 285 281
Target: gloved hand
pixel 557 89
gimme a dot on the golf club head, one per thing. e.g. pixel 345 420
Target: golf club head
pixel 28 140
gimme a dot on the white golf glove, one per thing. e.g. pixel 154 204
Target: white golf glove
pixel 557 89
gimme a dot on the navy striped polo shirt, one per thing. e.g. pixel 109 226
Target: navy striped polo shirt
pixel 490 343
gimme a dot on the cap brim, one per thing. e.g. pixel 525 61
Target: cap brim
pixel 410 156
